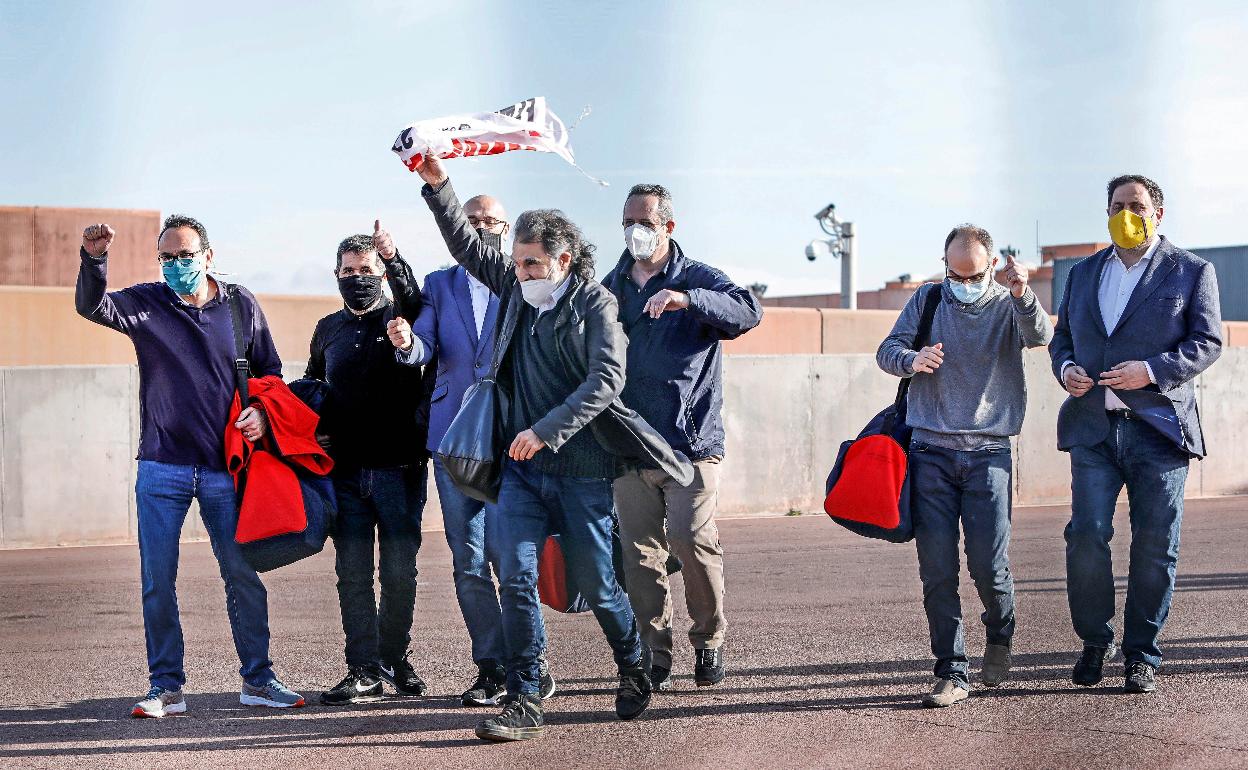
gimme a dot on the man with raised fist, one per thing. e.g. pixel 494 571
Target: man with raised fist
pixel 967 399
pixel 373 426
pixel 183 337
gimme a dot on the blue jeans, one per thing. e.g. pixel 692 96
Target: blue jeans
pixel 532 504
pixel 973 487
pixel 1154 470
pixel 389 504
pixel 463 519
pixel 164 493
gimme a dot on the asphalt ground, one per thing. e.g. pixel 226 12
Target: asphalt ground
pixel 827 654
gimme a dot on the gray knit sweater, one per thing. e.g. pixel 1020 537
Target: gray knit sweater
pixel 978 396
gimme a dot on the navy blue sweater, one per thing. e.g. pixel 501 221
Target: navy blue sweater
pixel 675 363
pixel 186 360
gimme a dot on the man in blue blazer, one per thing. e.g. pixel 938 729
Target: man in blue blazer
pixel 455 329
pixel 1137 323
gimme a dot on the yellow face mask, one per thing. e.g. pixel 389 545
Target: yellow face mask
pixel 1129 230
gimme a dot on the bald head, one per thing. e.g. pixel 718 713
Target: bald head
pixel 487 213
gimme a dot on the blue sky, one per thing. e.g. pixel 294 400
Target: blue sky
pixel 272 121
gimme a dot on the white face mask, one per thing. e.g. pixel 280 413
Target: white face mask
pixel 537 291
pixel 970 294
pixel 641 241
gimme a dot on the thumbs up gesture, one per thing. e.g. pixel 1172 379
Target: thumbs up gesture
pixel 383 242
pixel 1015 274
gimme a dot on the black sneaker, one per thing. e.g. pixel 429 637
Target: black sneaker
pixel 545 682
pixel 520 720
pixel 360 686
pixel 402 677
pixel 490 686
pixel 1089 669
pixel 1140 677
pixel 660 677
pixel 633 695
pixel 708 667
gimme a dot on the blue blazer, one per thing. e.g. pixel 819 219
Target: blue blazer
pixel 1172 321
pixel 448 333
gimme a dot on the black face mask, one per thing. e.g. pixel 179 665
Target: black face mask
pixel 360 292
pixel 493 240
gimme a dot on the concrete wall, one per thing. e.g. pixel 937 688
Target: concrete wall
pixel 68 437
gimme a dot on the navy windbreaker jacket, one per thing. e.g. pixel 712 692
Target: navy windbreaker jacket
pixel 675 362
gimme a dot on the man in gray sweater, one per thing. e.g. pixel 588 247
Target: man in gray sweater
pixel 963 411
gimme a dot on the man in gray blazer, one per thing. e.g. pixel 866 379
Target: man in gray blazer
pixel 1137 323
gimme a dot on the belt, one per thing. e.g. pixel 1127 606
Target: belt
pixel 1126 414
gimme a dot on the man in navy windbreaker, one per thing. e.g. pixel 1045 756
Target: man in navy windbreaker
pixel 676 312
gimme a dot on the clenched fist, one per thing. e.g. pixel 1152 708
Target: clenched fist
pixel 1076 380
pixel 929 359
pixel 96 239
pixel 383 242
pixel 400 333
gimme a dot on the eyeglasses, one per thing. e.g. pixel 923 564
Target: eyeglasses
pixel 977 278
pixel 486 222
pixel 165 257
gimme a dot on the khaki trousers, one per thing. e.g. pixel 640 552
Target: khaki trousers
pixel 658 517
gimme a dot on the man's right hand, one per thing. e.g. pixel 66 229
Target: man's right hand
pixel 400 332
pixel 430 170
pixel 1076 380
pixel 96 239
pixel 929 359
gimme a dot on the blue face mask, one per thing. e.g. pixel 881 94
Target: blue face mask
pixel 184 275
pixel 969 294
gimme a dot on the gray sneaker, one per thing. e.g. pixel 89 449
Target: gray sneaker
pixel 274 695
pixel 158 702
pixel 996 665
pixel 945 692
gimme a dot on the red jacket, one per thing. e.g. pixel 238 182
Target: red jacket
pixel 272 497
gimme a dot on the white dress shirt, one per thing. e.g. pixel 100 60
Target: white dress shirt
pixel 480 301
pixel 1117 284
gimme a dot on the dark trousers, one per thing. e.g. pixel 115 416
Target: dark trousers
pixel 532 504
pixel 1154 471
pixel 971 487
pixel 385 506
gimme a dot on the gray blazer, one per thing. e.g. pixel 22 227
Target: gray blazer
pixel 1172 321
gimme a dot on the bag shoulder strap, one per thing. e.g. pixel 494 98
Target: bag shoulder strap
pixel 931 301
pixel 242 368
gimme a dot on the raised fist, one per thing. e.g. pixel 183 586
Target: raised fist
pixel 96 239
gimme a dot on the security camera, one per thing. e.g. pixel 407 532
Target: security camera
pixel 817 248
pixel 810 252
pixel 827 212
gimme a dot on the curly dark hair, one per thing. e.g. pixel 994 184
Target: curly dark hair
pixel 556 233
pixel 181 220
pixel 1154 189
pixel 360 244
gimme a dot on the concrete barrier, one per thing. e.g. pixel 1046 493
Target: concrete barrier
pixel 68 436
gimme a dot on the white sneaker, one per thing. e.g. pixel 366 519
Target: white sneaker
pixel 158 702
pixel 945 692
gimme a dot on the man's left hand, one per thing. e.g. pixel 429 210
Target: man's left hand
pixel 1015 275
pixel 1128 375
pixel 383 242
pixel 253 423
pixel 525 446
pixel 666 300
